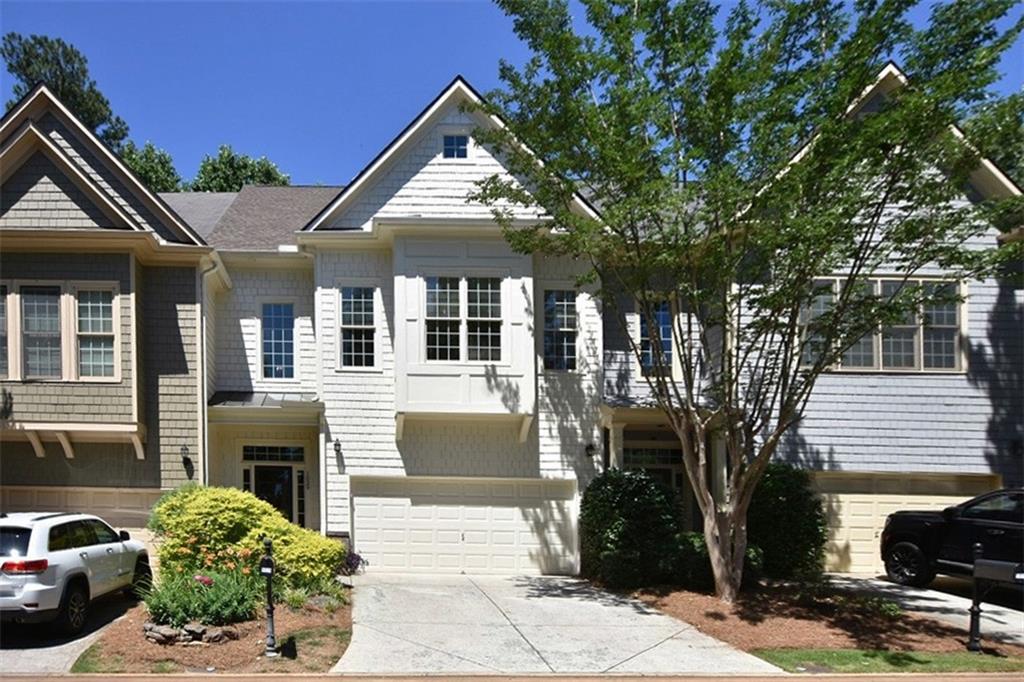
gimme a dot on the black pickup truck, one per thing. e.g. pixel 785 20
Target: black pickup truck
pixel 918 544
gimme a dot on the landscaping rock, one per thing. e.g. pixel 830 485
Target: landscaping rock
pixel 230 633
pixel 148 625
pixel 213 635
pixel 195 630
pixel 162 634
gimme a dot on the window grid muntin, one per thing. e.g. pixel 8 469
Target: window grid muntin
pixel 560 329
pixel 273 453
pixel 930 339
pixel 483 319
pixel 41 333
pixel 456 146
pixel 443 319
pixel 662 314
pixel 278 341
pixel 300 497
pixel 95 332
pixel 358 331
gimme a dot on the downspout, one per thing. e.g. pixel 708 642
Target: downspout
pixel 203 422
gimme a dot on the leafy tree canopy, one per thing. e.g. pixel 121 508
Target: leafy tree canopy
pixel 62 68
pixel 229 171
pixel 154 166
pixel 685 130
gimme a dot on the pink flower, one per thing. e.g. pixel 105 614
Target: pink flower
pixel 204 579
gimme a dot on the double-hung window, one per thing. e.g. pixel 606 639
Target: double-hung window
pixel 483 319
pixel 358 328
pixel 278 341
pixel 813 340
pixel 40 331
pixel 95 333
pixel 661 317
pixel 926 339
pixel 560 330
pixel 456 146
pixel 443 318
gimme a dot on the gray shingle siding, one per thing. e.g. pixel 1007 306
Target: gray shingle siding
pixel 53 401
pixel 95 464
pixel 170 360
pixel 39 196
pixel 104 178
pixel 971 422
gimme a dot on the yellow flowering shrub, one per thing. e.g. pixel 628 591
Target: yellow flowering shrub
pixel 204 528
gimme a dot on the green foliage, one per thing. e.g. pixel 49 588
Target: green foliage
pixel 175 497
pixel 65 71
pixel 155 167
pixel 204 528
pixel 628 525
pixel 866 661
pixel 693 565
pixel 211 597
pixel 787 521
pixel 229 171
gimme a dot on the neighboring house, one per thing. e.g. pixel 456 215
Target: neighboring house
pixel 100 299
pixel 377 363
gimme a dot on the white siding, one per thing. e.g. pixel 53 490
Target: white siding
pixel 420 182
pixel 239 336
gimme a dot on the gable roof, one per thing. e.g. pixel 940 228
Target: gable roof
pixel 257 218
pixel 39 102
pixel 201 210
pixel 458 90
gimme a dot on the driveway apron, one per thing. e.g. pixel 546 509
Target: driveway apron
pixel 476 624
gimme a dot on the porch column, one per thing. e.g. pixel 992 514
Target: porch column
pixel 615 445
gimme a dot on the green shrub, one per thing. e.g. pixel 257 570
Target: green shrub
pixel 787 521
pixel 211 598
pixel 205 528
pixel 628 529
pixel 693 567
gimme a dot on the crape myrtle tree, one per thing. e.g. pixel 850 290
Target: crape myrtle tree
pixel 734 163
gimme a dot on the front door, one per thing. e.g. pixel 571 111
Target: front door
pixel 274 484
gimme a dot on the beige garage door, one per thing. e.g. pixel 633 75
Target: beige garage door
pixel 465 525
pixel 857 504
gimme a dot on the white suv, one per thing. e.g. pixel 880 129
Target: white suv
pixel 53 564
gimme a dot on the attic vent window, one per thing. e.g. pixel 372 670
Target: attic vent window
pixel 455 146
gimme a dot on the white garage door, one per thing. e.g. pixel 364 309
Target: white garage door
pixel 465 525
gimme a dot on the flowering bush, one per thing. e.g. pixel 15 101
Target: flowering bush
pixel 205 529
pixel 352 563
pixel 211 598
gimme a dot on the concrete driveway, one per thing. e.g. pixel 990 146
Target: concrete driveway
pixel 463 624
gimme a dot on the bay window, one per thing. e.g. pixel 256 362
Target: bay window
pixel 40 332
pixel 454 304
pixel 95 333
pixel 560 330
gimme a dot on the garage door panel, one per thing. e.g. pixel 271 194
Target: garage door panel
pixel 471 526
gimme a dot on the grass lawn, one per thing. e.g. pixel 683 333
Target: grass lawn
pixel 880 661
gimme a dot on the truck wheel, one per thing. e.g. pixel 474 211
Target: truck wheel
pixel 142 581
pixel 906 564
pixel 74 611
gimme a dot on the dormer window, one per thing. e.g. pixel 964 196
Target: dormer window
pixel 456 146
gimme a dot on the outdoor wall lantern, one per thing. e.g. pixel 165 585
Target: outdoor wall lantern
pixel 590 450
pixel 337 447
pixel 186 462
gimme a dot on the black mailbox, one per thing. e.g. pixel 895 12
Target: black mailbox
pixel 998 571
pixel 267 566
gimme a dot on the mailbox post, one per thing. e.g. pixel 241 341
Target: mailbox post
pixel 974 638
pixel 267 570
pixel 987 574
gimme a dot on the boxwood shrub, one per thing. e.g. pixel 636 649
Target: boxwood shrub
pixel 208 528
pixel 787 521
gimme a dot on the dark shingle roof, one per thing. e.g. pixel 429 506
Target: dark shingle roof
pixel 201 210
pixel 262 218
pixel 254 219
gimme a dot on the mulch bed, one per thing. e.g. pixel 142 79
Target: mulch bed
pixel 123 646
pixel 780 617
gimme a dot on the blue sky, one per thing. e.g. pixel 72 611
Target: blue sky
pixel 318 87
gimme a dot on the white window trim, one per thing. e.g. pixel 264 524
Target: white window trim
pixel 294 378
pixel 4 283
pixel 68 330
pixel 448 130
pixel 557 285
pixel 463 275
pixel 919 369
pixel 378 314
pixel 633 325
pixel 72 298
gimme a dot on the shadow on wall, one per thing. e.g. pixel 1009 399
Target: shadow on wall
pixel 997 366
pixel 553 526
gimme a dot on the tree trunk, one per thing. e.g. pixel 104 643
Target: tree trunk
pixel 726 563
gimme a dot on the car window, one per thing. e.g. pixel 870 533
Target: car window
pixel 60 538
pixel 14 540
pixel 1002 507
pixel 80 534
pixel 104 533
